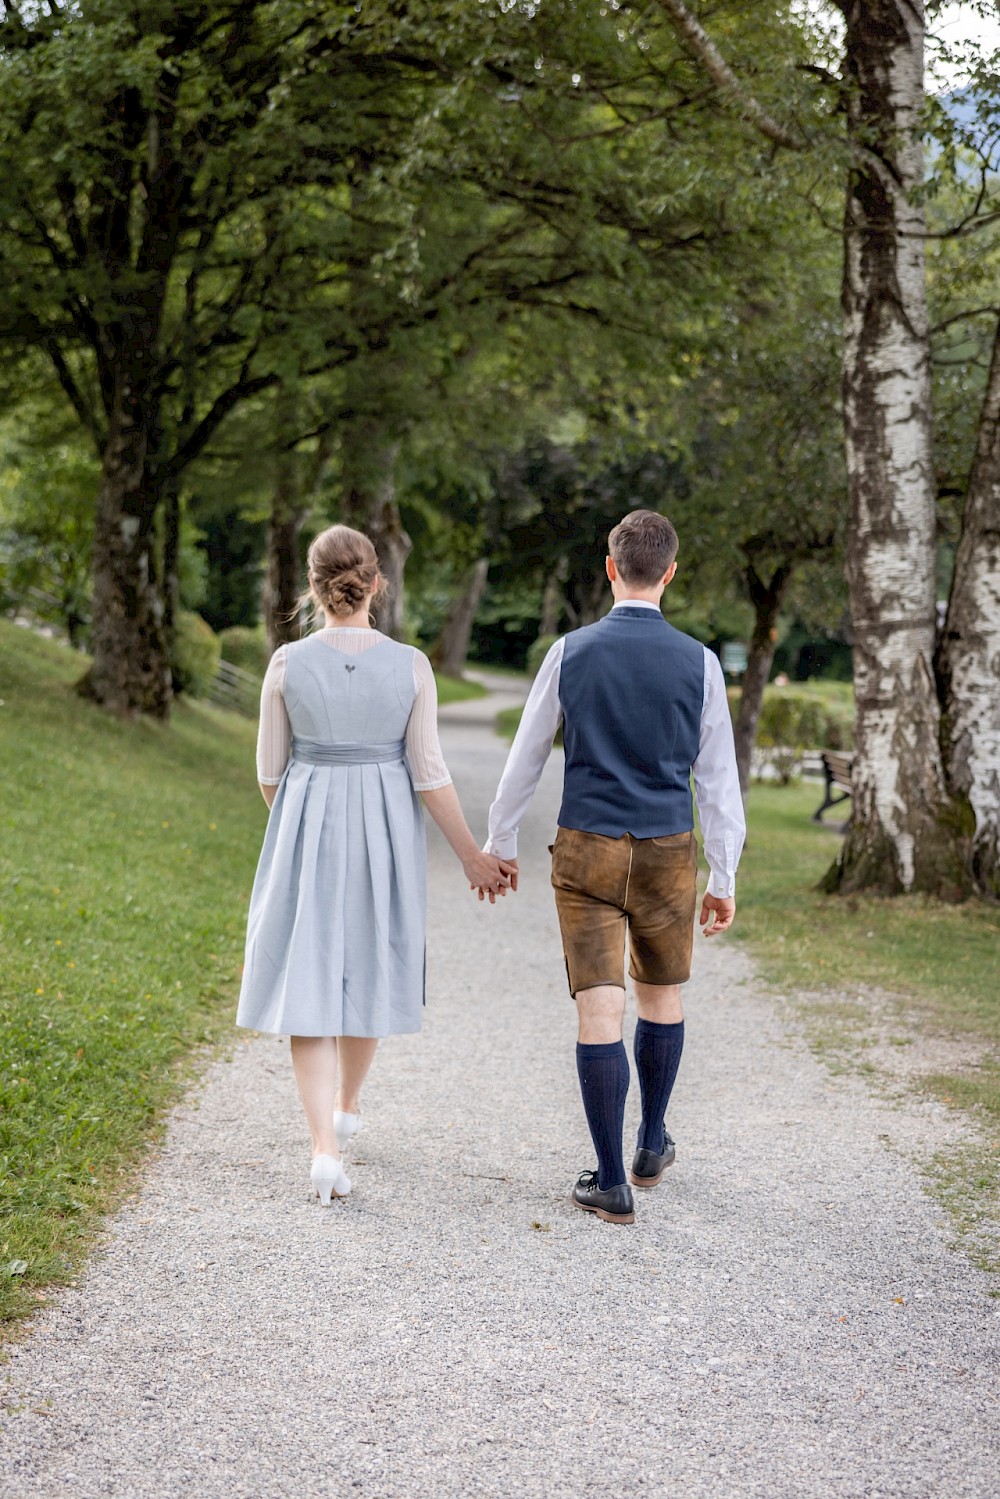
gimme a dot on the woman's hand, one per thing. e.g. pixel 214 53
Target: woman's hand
pixel 489 875
pixel 485 872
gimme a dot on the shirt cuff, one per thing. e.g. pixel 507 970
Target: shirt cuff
pixel 503 848
pixel 270 780
pixel 722 886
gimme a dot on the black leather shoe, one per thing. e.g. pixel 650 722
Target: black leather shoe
pixel 648 1167
pixel 614 1206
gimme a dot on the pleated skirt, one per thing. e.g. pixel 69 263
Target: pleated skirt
pixel 337 921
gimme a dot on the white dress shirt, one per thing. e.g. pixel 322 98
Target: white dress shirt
pixel 716 780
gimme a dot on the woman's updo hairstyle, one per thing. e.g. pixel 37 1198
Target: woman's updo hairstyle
pixel 342 566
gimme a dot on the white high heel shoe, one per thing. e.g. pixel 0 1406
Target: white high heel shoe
pixel 329 1178
pixel 345 1126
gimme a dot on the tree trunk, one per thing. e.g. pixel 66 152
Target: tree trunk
pixel 369 479
pixel 280 600
pixel 294 491
pixel 131 659
pixel 901 835
pixel 593 599
pixel 393 546
pixel 452 646
pixel 131 666
pixel 553 602
pixel 969 651
pixel 171 557
pixel 766 599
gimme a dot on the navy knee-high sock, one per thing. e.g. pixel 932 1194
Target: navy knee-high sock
pixel 657 1057
pixel 604 1079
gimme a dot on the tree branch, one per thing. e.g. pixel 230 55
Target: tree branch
pixel 76 397
pixel 707 53
pixel 960 317
pixel 227 401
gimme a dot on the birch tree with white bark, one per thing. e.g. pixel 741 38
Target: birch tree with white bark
pixel 926 810
pixel 903 834
pixel 969 652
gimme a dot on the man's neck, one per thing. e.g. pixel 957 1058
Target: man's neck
pixel 634 596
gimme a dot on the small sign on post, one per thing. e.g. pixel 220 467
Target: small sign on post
pixel 734 658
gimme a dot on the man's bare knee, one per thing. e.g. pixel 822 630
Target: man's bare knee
pixel 600 1011
pixel 660 1003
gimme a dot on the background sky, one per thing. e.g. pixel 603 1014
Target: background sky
pixel 959 24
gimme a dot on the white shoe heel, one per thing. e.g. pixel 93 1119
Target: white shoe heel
pixel 345 1127
pixel 329 1179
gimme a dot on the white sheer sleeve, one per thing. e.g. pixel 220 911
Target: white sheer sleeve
pixel 274 735
pixel 423 748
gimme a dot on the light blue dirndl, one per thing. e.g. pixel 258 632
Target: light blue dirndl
pixel 336 929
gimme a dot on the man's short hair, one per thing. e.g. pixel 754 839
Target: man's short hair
pixel 642 547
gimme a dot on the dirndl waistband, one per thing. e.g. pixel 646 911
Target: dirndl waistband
pixel 319 752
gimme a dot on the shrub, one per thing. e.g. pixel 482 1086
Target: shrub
pixel 196 654
pixel 792 722
pixel 839 724
pixel 245 647
pixel 537 652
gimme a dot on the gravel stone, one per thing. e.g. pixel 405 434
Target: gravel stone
pixel 785 1318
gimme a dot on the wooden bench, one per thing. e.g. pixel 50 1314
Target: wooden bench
pixel 837 774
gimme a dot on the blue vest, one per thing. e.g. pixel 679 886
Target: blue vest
pixel 631 689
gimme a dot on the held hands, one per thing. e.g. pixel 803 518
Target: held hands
pixel 716 914
pixel 489 875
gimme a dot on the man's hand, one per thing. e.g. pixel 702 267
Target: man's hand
pixel 489 875
pixel 716 914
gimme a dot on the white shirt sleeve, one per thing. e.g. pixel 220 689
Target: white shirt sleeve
pixel 528 754
pixel 717 785
pixel 423 747
pixel 274 733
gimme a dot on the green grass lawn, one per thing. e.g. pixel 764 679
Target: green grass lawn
pixel 457 690
pixel 824 690
pixel 507 721
pixel 944 958
pixel 937 962
pixel 127 852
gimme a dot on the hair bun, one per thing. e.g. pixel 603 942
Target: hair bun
pixel 344 593
pixel 343 566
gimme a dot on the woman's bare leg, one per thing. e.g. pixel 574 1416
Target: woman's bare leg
pixel 314 1060
pixel 356 1054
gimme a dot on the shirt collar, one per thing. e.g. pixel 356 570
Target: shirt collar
pixel 635 604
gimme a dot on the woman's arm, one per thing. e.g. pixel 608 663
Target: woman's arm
pixel 490 875
pixel 274 733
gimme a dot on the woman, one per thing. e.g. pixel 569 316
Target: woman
pixel 335 935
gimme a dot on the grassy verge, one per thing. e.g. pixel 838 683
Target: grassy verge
pixel 937 964
pixel 507 721
pixel 457 689
pixel 942 957
pixel 127 852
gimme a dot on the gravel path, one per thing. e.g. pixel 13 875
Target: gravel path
pixel 785 1317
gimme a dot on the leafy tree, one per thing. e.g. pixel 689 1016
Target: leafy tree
pixel 768 493
pixel 175 188
pixel 47 516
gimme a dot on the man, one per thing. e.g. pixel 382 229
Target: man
pixel 642 706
